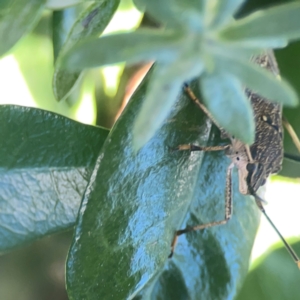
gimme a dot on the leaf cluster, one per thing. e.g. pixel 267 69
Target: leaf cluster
pixel 199 38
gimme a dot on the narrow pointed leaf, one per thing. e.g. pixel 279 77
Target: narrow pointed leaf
pixel 278 23
pixel 224 97
pixel 172 12
pixel 130 213
pixel 133 47
pixel 160 11
pixel 162 94
pixel 45 163
pixel 140 4
pixel 224 11
pixel 17 19
pixel 62 22
pixel 259 80
pixel 91 23
pixel 164 88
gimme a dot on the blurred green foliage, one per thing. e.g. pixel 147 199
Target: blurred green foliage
pixel 273 276
pixel 37 271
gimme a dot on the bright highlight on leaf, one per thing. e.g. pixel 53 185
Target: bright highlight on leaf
pixel 136 201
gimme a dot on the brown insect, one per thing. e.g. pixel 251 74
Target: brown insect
pixel 255 162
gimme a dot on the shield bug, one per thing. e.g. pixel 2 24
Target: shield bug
pixel 256 162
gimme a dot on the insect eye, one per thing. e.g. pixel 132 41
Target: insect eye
pixel 266 119
pixel 251 167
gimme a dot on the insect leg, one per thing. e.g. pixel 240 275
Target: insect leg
pixel 293 254
pixel 228 212
pixel 203 108
pixel 192 147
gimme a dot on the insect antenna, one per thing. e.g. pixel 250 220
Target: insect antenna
pixel 288 247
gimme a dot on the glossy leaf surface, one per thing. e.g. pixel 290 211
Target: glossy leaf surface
pixel 136 201
pixel 45 163
pixel 17 19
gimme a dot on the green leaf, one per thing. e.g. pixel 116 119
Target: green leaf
pixel 135 202
pixel 258 79
pixel 17 19
pixel 223 11
pixel 225 98
pixel 32 66
pixel 274 277
pixel 62 22
pixel 91 23
pixel 266 28
pixel 173 13
pixel 166 83
pixel 140 4
pixel 45 164
pixel 133 47
pixel 161 11
pixel 162 93
pixel 61 4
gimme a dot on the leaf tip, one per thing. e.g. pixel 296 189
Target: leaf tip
pixel 139 140
pixel 245 134
pixel 293 101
